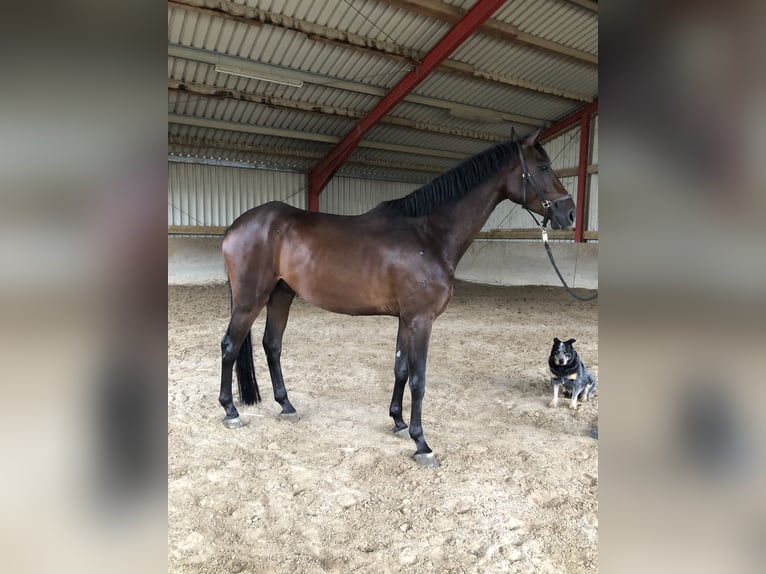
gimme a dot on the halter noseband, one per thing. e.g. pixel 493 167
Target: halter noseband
pixel 526 178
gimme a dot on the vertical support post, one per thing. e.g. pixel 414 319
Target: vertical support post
pixel 312 194
pixel 582 176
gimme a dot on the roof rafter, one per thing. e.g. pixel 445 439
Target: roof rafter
pixel 321 173
pixel 441 11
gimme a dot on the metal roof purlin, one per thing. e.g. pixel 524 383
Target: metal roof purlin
pixel 212 58
pixel 321 173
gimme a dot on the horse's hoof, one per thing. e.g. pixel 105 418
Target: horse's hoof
pixel 427 459
pixel 291 417
pixel 234 423
pixel 402 432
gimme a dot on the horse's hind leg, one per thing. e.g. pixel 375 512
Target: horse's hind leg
pixel 241 321
pixel 401 374
pixel 276 320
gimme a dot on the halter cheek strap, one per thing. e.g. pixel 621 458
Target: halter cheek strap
pixel 526 179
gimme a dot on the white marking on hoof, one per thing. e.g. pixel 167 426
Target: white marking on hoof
pixel 427 459
pixel 234 423
pixel 402 433
pixel 291 417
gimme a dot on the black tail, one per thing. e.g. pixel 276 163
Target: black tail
pixel 248 387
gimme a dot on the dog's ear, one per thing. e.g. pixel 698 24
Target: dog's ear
pixel 556 341
pixel 570 341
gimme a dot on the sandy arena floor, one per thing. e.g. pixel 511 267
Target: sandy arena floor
pixel 336 491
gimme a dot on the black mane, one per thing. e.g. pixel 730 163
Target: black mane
pixel 452 184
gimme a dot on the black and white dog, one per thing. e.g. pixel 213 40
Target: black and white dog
pixel 567 369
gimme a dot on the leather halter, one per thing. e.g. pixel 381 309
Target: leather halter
pixel 527 179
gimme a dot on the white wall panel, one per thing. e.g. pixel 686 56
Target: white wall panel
pixel 593 205
pixel 594 133
pixel 352 196
pixel 564 150
pixel 215 195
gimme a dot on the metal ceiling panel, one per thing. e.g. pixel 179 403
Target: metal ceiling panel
pixel 552 20
pixel 496 97
pixel 493 54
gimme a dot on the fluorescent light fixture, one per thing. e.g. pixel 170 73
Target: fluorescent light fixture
pixel 246 73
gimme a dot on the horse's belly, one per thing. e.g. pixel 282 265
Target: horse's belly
pixel 356 307
pixel 340 291
pixel 348 303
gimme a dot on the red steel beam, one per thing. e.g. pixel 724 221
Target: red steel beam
pixel 550 132
pixel 582 176
pixel 321 173
pixel 583 116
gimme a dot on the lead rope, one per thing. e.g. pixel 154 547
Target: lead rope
pixel 555 268
pixel 544 231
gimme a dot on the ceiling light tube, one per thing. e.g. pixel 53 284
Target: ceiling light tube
pixel 245 73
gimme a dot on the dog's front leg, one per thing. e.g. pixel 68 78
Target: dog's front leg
pixel 576 391
pixel 555 400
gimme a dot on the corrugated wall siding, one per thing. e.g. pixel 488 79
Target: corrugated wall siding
pixel 352 196
pixel 216 195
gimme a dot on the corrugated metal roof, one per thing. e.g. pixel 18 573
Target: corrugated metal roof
pixel 367 18
pixel 493 54
pixel 556 20
pixel 282 43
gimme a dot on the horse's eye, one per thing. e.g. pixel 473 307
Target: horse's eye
pixel 543 167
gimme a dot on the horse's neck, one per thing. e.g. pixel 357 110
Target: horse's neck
pixel 456 226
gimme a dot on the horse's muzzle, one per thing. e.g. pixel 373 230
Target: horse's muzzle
pixel 564 219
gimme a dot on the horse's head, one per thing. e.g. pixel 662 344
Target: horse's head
pixel 533 184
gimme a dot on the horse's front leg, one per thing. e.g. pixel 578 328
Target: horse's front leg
pixel 416 335
pixel 401 374
pixel 277 312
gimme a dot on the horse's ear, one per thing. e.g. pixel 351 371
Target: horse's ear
pixel 556 340
pixel 532 139
pixel 570 341
pixel 513 134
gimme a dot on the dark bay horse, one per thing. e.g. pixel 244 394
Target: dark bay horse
pixel 398 259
